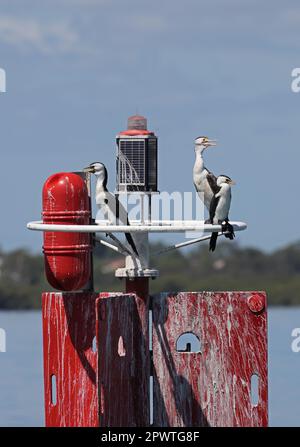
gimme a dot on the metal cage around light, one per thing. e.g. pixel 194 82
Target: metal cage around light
pixel 136 158
pixel 137 163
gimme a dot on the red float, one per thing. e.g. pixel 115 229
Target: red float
pixel 67 255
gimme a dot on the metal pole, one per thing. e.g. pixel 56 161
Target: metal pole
pixel 149 208
pixel 142 208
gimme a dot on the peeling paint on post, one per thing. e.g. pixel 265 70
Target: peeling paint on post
pixel 69 327
pixel 124 361
pixel 107 384
pixel 211 387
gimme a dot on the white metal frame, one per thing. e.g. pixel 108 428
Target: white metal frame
pixel 161 226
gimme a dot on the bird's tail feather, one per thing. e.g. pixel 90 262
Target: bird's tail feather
pixel 213 241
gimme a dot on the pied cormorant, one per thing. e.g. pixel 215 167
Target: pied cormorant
pixel 108 203
pixel 219 209
pixel 204 180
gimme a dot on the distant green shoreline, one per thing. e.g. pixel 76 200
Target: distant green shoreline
pixel 229 268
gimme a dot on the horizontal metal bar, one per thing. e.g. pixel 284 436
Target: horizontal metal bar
pixel 164 228
pixel 111 246
pixel 107 244
pixel 185 244
pixel 158 222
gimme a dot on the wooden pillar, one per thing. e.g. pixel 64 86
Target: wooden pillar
pixel 210 381
pixel 108 383
pixel 124 357
pixel 70 359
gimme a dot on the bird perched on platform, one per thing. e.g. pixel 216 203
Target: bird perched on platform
pixel 107 202
pixel 202 177
pixel 219 208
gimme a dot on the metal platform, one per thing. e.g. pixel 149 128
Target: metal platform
pixel 160 226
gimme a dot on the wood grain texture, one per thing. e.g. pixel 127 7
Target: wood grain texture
pixel 69 327
pixel 212 387
pixel 110 387
pixel 124 360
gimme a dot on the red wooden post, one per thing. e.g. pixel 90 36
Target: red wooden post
pixel 211 386
pixel 124 357
pixel 110 386
pixel 69 329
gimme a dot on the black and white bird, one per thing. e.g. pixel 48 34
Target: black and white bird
pixel 107 202
pixel 219 209
pixel 202 177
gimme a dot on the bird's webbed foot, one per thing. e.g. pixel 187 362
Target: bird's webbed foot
pixel 228 231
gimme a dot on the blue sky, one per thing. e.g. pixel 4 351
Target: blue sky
pixel 77 68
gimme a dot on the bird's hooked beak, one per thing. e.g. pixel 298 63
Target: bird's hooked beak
pixel 209 142
pixel 90 169
pixel 205 142
pixel 231 183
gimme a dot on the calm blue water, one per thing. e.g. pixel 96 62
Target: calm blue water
pixel 21 383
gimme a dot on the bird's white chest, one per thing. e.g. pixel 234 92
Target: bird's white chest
pixel 223 206
pixel 101 197
pixel 105 203
pixel 202 186
pixel 201 183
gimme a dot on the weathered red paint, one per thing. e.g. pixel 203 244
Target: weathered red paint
pixel 211 387
pixel 256 302
pixel 69 328
pixel 110 387
pixel 124 361
pixel 67 255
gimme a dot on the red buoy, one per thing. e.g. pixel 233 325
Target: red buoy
pixel 67 255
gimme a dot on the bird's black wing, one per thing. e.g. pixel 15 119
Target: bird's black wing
pixel 212 209
pixel 105 179
pixel 130 241
pixel 128 236
pixel 212 181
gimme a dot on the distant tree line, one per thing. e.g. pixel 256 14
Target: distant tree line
pixel 229 268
